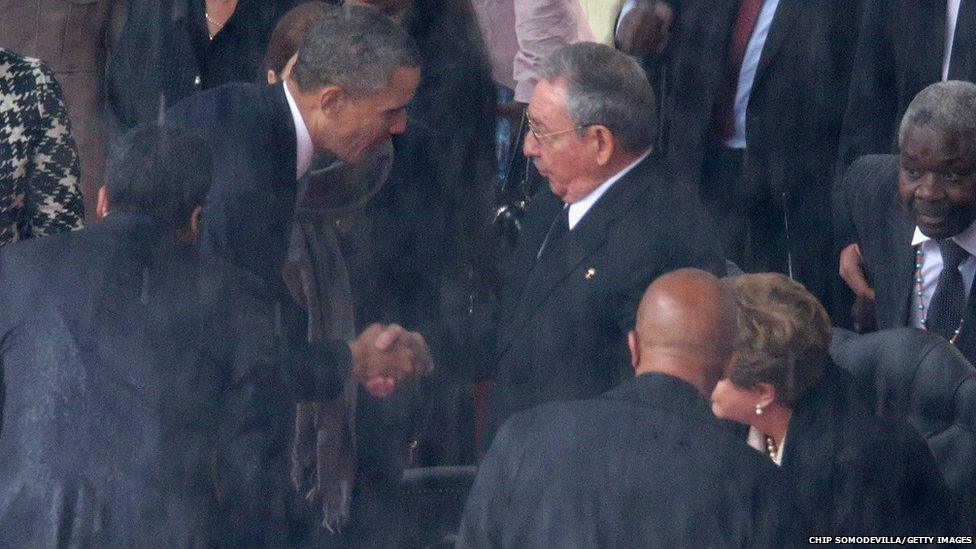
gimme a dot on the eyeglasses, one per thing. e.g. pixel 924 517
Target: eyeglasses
pixel 545 137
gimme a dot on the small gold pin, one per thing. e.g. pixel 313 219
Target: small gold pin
pixel 590 274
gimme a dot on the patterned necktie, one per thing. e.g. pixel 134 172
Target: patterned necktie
pixel 949 302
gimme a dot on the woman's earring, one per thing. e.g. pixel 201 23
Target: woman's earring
pixel 759 410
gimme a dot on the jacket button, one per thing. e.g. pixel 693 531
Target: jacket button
pixel 196 81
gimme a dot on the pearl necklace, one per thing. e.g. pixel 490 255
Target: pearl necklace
pixel 217 26
pixel 920 302
pixel 771 448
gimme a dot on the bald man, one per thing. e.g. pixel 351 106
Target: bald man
pixel 644 465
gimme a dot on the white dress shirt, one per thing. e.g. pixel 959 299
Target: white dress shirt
pixel 747 73
pixel 952 15
pixel 303 140
pixel 579 208
pixel 932 267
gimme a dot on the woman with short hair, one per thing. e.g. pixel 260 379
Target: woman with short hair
pixel 854 473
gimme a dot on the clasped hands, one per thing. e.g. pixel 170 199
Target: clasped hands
pixel 383 356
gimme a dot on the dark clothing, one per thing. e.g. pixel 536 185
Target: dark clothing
pixel 250 207
pixel 869 212
pixel 164 53
pixel 563 317
pixel 856 474
pixel 644 465
pixel 792 124
pixel 144 399
pixel 921 377
pixel 900 51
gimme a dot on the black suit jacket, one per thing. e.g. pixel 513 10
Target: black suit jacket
pixel 793 118
pixel 857 474
pixel 869 206
pixel 900 51
pixel 248 214
pixel 644 465
pixel 144 401
pixel 564 317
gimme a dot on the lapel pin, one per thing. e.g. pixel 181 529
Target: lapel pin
pixel 590 274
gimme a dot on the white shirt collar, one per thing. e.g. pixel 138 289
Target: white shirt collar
pixel 303 140
pixel 965 239
pixel 579 208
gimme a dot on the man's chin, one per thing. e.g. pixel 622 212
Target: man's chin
pixel 934 227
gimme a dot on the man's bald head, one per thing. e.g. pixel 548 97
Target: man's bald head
pixel 685 328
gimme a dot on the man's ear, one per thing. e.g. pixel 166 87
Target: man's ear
pixel 332 99
pixel 634 345
pixel 101 207
pixel 605 145
pixel 272 77
pixel 195 222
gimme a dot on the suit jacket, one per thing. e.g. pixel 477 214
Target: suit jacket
pixel 72 37
pixel 145 403
pixel 563 318
pixel 644 465
pixel 793 118
pixel 857 474
pixel 39 191
pixel 900 51
pixel 869 205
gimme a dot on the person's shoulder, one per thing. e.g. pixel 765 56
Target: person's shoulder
pixel 25 74
pixel 871 174
pixel 243 101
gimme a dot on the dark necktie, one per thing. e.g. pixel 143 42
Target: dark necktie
pixel 961 63
pixel 723 115
pixel 557 231
pixel 949 302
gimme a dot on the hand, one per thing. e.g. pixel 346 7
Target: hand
pixel 644 31
pixel 853 274
pixel 384 356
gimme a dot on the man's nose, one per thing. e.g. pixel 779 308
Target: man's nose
pixel 930 188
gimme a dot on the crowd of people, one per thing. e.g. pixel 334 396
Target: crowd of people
pixel 258 258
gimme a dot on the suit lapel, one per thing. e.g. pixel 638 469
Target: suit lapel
pixel 586 238
pixel 786 15
pixel 903 264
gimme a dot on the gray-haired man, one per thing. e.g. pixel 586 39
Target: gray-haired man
pixel 911 215
pixel 614 222
pixel 356 71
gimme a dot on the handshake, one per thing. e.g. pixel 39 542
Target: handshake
pixel 383 356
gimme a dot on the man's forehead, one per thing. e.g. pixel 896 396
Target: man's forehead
pixel 548 101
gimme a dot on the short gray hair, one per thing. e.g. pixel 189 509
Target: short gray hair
pixel 355 48
pixel 606 87
pixel 947 106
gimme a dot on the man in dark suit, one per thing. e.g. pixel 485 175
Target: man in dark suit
pixel 903 46
pixel 909 216
pixel 146 397
pixel 753 118
pixel 615 221
pixel 644 465
pixel 347 92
